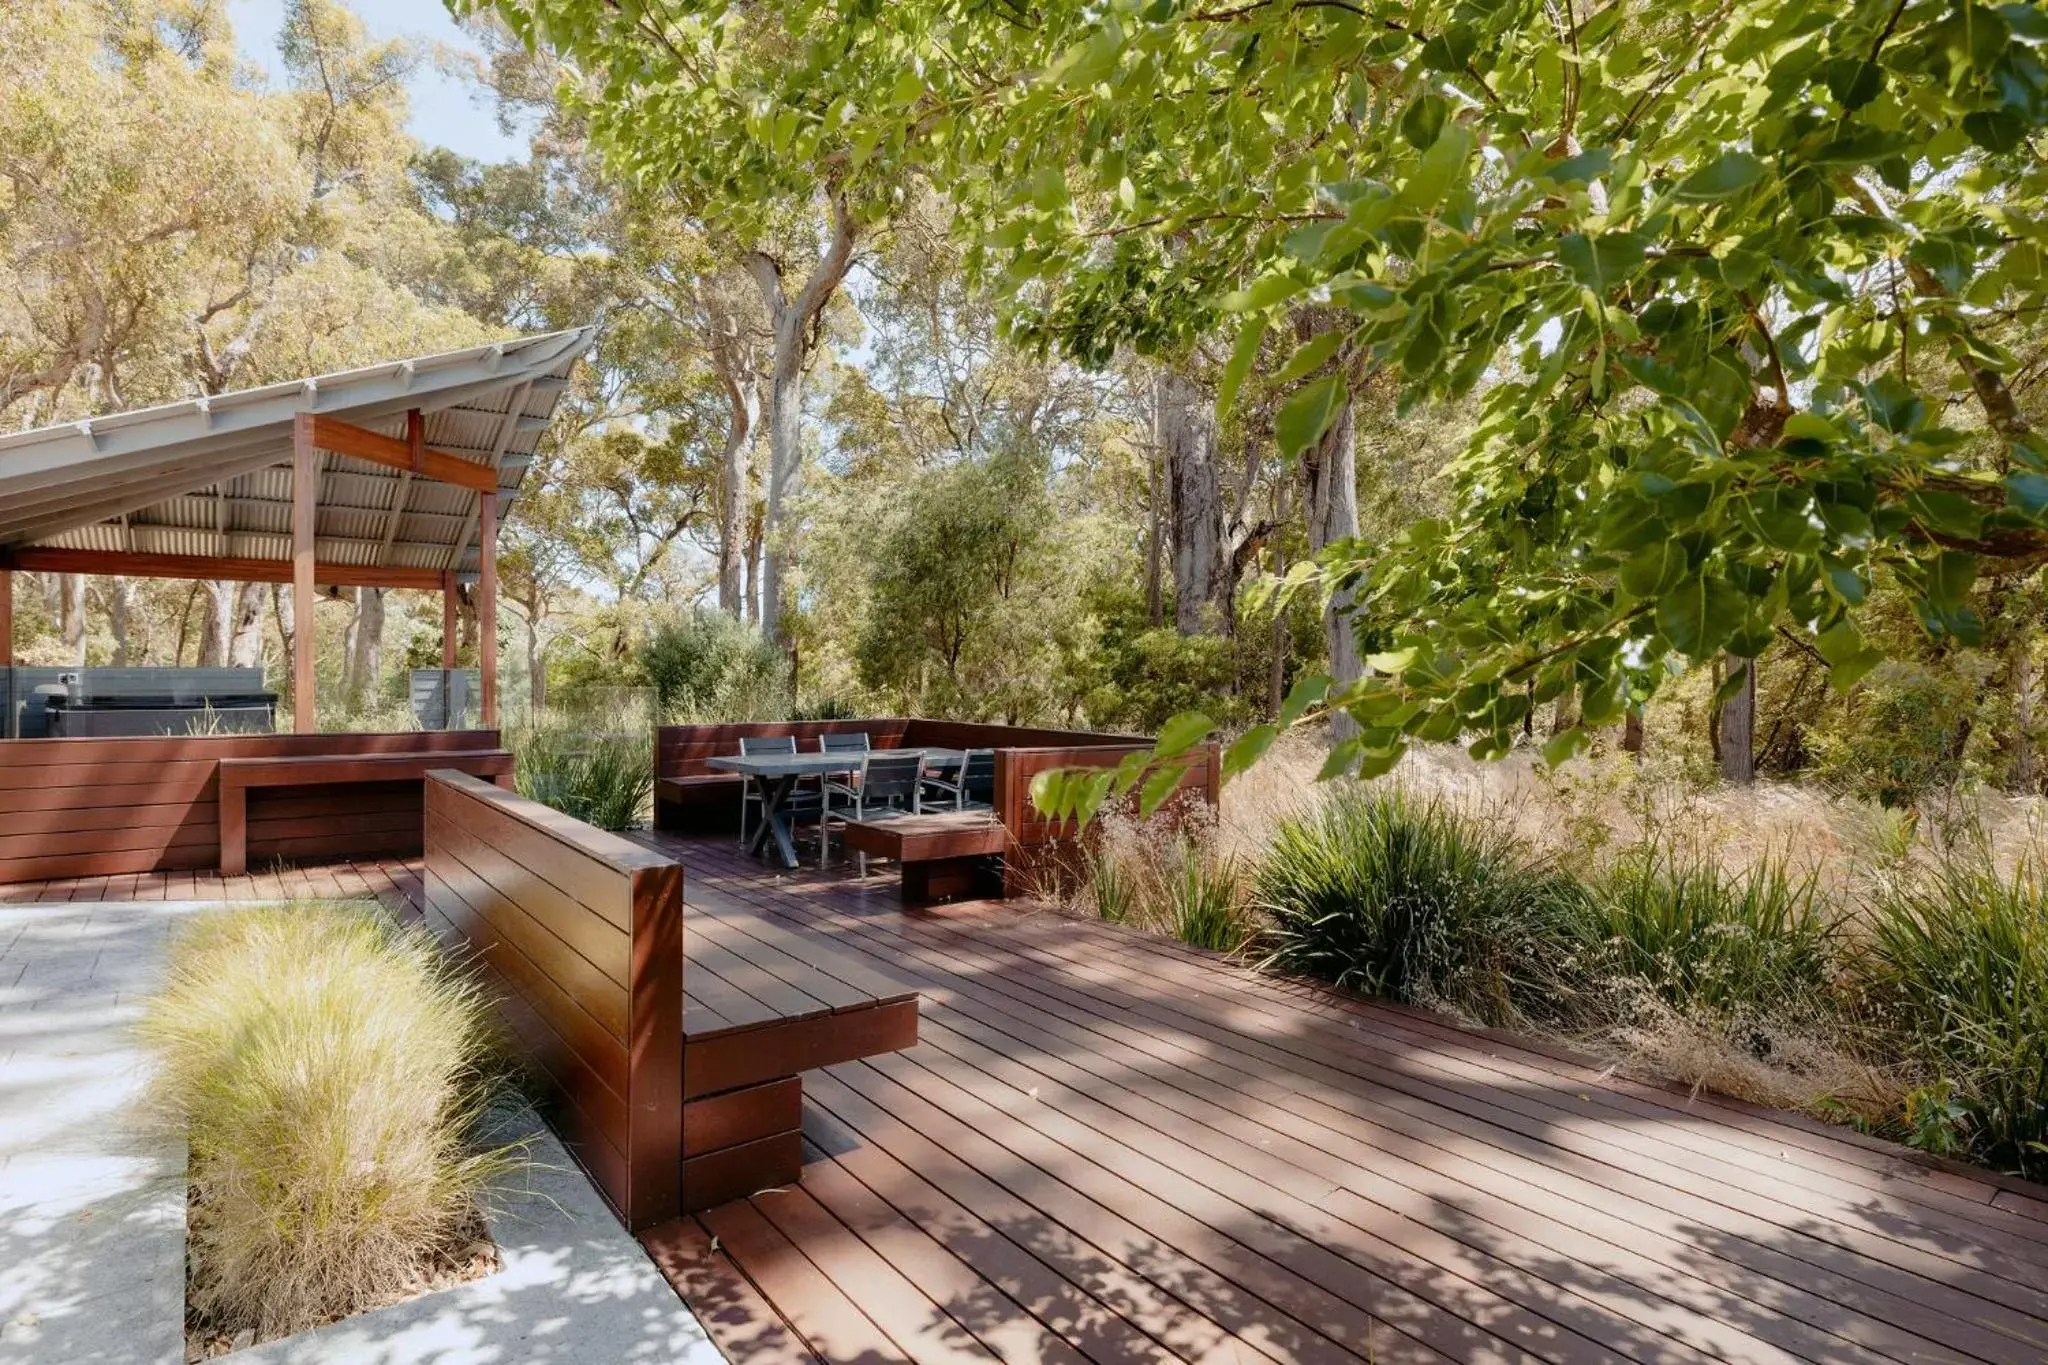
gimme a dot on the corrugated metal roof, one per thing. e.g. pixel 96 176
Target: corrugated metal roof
pixel 212 476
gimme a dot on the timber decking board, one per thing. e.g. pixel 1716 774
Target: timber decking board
pixel 1107 1147
pixel 1220 1162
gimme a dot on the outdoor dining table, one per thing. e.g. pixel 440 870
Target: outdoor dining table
pixel 775 778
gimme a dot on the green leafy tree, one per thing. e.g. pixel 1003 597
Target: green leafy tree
pixel 1714 271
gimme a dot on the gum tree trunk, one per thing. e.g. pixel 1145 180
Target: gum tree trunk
pixel 1330 500
pixel 794 323
pixel 1738 727
pixel 1194 499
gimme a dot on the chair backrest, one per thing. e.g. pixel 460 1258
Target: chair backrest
pixel 978 775
pixel 889 779
pixel 855 743
pixel 768 744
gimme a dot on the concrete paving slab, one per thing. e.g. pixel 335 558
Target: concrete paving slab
pixel 92 1206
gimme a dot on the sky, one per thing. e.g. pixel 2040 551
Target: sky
pixel 445 111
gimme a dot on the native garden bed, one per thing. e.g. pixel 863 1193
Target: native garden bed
pixel 331 1074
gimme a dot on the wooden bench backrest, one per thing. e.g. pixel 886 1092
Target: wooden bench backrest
pixel 680 750
pixel 582 932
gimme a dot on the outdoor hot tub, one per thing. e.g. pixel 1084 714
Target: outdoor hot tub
pixel 162 714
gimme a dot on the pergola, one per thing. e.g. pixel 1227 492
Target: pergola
pixel 389 476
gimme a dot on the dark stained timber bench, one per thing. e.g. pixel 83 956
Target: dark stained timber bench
pixel 750 1029
pixel 672 1043
pixel 238 775
pixel 943 853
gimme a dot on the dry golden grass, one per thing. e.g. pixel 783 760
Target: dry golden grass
pixel 1596 810
pixel 327 1071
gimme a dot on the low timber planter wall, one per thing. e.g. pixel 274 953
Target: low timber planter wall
pixel 99 807
pixel 583 933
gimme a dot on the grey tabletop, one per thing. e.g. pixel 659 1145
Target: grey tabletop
pixel 802 765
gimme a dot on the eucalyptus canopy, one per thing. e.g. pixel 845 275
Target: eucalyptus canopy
pixel 1738 282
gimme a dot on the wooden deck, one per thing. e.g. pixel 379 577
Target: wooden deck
pixel 393 881
pixel 1108 1148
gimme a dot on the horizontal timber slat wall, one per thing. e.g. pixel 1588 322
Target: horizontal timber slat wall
pixel 583 932
pixel 1040 848
pixel 97 807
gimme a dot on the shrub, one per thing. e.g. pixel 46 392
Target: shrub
pixel 592 770
pixel 1697 937
pixel 705 666
pixel 1958 966
pixel 1382 892
pixel 327 1071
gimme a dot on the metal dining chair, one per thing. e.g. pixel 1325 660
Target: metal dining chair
pixel 971 782
pixel 853 742
pixel 751 746
pixel 889 784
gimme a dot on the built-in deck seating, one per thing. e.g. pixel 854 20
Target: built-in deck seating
pixel 239 775
pixel 1029 852
pixel 673 1053
pixel 152 803
pixel 943 854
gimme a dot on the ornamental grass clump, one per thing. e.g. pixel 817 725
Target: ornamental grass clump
pixel 1957 971
pixel 328 1071
pixel 1168 875
pixel 600 772
pixel 1701 938
pixel 1380 891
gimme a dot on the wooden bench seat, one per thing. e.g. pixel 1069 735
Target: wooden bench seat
pixel 943 854
pixel 757 1013
pixel 704 802
pixel 238 775
pixel 671 1037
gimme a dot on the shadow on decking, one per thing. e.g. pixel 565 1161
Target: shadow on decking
pixel 1109 1147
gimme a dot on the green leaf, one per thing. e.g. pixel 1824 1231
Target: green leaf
pixel 2027 491
pixel 1264 292
pixel 1854 82
pixel 1699 615
pixel 1654 570
pixel 1308 689
pixel 1441 167
pixel 1343 756
pixel 1181 733
pixel 1090 60
pixel 1565 744
pixel 1578 170
pixel 1848 657
pixel 1247 749
pixel 1423 120
pixel 1950 578
pixel 1726 175
pixel 1160 784
pixel 1604 262
pixel 1242 357
pixel 1307 415
pixel 1308 357
pixel 1893 404
pixel 1951 514
pixel 1378 762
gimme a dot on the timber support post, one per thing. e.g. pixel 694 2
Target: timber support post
pixel 487 607
pixel 303 635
